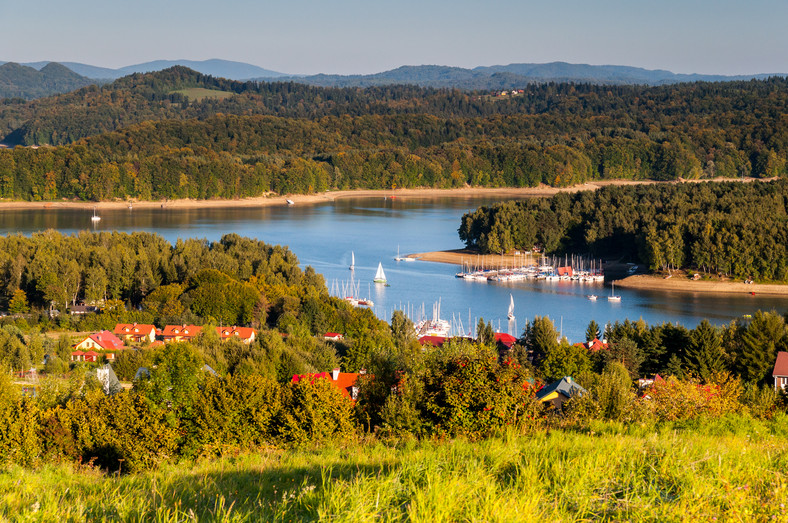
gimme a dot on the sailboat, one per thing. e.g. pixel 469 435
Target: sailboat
pixel 352 261
pixel 511 308
pixel 95 218
pixel 613 296
pixel 380 276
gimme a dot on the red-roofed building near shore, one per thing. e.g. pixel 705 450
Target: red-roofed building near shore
pixel 594 345
pixel 136 332
pixel 780 372
pixel 245 334
pixel 180 332
pixel 507 340
pixel 333 336
pixel 344 381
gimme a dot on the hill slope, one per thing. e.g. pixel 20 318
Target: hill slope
pixel 19 81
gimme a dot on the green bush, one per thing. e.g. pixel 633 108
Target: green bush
pixel 235 413
pixel 313 412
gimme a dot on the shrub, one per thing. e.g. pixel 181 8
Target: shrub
pixel 312 412
pixel 232 413
pixel 470 393
pixel 673 399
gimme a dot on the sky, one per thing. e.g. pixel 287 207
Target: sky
pixel 361 37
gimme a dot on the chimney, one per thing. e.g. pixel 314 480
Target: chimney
pixel 335 374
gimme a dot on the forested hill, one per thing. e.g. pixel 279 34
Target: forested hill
pixel 179 93
pixel 179 134
pixel 19 81
pixel 738 229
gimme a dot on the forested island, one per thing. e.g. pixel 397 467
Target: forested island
pixel 145 137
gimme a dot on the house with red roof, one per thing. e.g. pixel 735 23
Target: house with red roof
pixel 344 381
pixel 594 345
pixel 245 334
pixel 135 332
pixel 507 340
pixel 103 340
pixel 180 332
pixel 333 336
pixel 780 372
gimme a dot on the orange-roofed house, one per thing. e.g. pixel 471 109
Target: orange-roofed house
pixel 180 332
pixel 344 381
pixel 780 372
pixel 135 332
pixel 594 345
pixel 103 340
pixel 245 334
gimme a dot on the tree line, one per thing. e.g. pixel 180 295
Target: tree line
pixel 735 229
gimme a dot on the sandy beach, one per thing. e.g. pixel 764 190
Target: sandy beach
pixel 684 284
pixel 329 196
pixel 300 199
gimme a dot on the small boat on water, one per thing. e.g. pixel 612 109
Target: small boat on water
pixel 592 297
pixel 380 276
pixel 613 296
pixel 95 218
pixel 289 201
pixel 352 261
pixel 510 315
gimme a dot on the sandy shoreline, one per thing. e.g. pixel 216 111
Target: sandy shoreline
pixel 301 199
pixel 683 284
pixel 329 196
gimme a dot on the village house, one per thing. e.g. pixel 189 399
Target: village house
pixel 79 355
pixel 559 392
pixel 180 332
pixel 344 381
pixel 135 332
pixel 103 340
pixel 333 336
pixel 780 372
pixel 594 345
pixel 245 334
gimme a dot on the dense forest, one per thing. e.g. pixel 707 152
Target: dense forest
pixel 142 137
pixel 736 229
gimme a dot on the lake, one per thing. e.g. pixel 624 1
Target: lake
pixel 324 235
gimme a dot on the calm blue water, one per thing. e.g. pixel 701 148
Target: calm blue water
pixel 324 235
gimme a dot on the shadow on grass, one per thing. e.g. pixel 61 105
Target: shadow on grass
pixel 256 494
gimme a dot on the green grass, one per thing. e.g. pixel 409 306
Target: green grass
pixel 621 473
pixel 197 94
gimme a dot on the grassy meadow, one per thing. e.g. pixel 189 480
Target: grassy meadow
pixel 198 94
pixel 730 469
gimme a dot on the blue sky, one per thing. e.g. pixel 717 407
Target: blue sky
pixel 351 36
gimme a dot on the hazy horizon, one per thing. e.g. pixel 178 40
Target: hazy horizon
pixel 352 37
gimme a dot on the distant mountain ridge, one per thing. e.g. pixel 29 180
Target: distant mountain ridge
pixel 213 67
pixel 511 76
pixel 19 81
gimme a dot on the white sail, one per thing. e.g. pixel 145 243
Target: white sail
pixel 380 276
pixel 352 261
pixel 511 307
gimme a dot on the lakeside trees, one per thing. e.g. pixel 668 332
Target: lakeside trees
pixel 737 229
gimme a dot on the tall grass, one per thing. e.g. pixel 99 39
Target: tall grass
pixel 610 473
